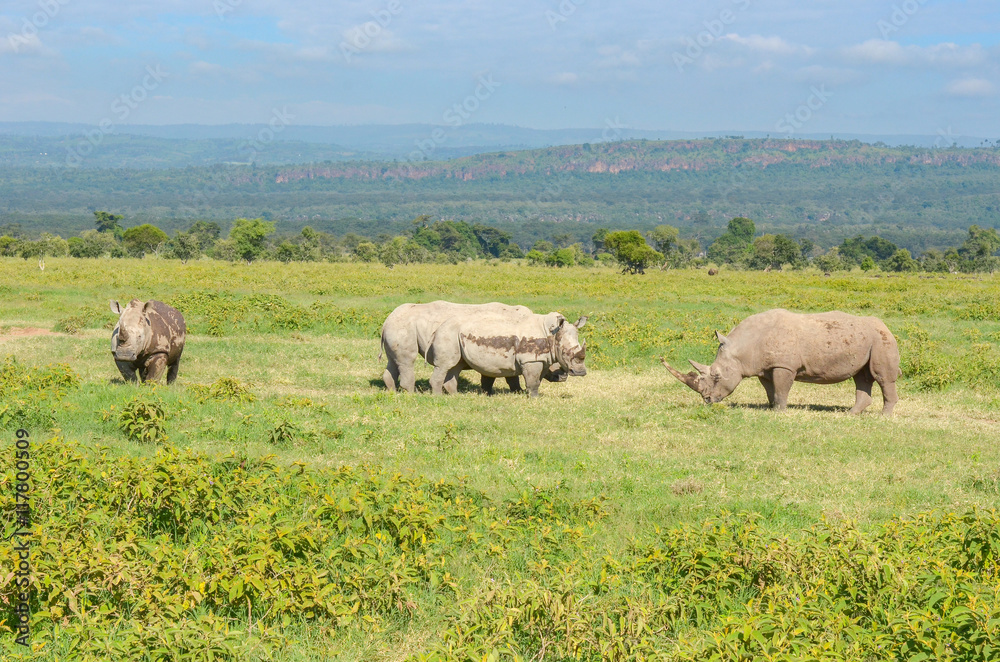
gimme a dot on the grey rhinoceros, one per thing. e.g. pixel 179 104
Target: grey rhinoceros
pixel 505 345
pixel 148 338
pixel 779 347
pixel 407 333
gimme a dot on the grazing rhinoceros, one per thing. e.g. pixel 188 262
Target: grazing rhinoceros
pixel 505 345
pixel 780 347
pixel 408 330
pixel 148 338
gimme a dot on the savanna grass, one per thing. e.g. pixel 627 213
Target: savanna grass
pixel 594 522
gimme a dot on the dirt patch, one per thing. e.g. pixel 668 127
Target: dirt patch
pixel 27 332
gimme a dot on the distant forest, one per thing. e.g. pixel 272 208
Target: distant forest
pixel 823 191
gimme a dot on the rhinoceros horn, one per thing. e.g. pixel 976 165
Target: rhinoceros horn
pixel 700 367
pixel 691 378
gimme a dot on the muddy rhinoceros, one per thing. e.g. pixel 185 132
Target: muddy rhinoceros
pixel 148 338
pixel 407 333
pixel 779 347
pixel 505 345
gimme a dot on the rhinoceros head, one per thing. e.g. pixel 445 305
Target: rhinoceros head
pixel 132 334
pixel 713 382
pixel 569 351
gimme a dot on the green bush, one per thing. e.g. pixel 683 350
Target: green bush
pixel 141 419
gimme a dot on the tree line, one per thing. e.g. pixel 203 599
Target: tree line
pixel 449 241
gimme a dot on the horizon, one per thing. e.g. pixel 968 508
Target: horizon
pixel 910 67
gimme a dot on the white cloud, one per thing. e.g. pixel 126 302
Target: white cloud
pixel 770 45
pixel 565 78
pixel 23 43
pixel 202 68
pixel 970 87
pixel 947 54
pixel 614 57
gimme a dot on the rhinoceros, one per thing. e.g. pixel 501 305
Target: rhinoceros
pixel 148 338
pixel 407 333
pixel 779 347
pixel 505 345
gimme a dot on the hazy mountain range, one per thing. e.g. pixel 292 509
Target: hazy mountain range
pixel 49 144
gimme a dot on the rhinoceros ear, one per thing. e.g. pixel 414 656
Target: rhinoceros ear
pixel 554 322
pixel 700 367
pixel 581 322
pixel 115 308
pixel 722 339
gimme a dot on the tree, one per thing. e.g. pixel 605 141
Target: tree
pixel 92 243
pixel 598 240
pixel 287 252
pixel 631 251
pixel 664 238
pixel 742 229
pixel 184 246
pixel 563 257
pixel 867 264
pixel 982 242
pixel 8 245
pixel 206 232
pixel 366 251
pixel 109 223
pixel 733 245
pixel 773 250
pixel 976 253
pixel 901 260
pixel 492 242
pixel 535 257
pixel 250 237
pixel 829 261
pixel 31 249
pixel 53 245
pixel 854 250
pixel 143 239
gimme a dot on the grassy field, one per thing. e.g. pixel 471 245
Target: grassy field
pixel 615 517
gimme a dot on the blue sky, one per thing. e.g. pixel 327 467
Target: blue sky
pixel 837 66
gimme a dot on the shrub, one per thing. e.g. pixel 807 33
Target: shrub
pixel 141 419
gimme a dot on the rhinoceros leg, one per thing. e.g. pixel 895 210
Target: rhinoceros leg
pixel 532 377
pixel 862 391
pixel 390 375
pixel 407 376
pixel 154 368
pixel 782 379
pixel 172 371
pixel 889 397
pixel 127 370
pixel 445 380
pixel 486 383
pixel 768 385
pixel 514 384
